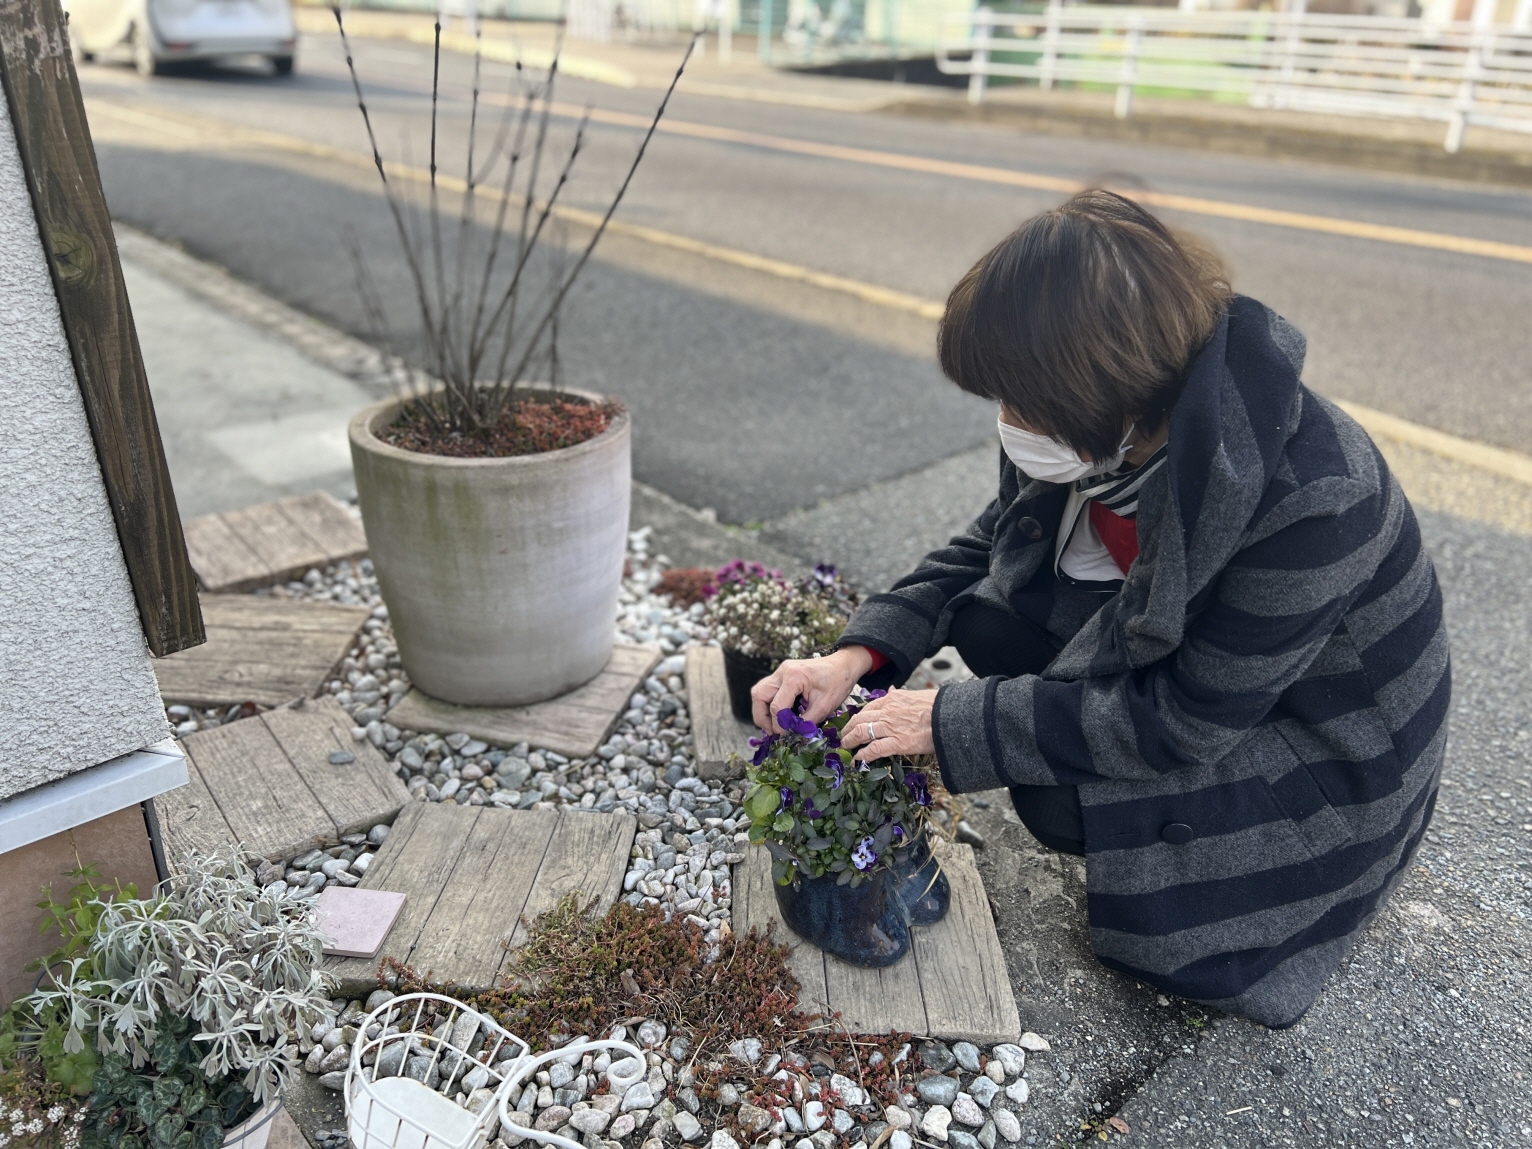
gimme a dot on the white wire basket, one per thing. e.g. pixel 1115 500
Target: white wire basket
pixel 417 1053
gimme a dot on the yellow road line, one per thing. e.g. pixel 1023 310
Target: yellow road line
pixel 1196 205
pixel 871 293
pixel 1509 464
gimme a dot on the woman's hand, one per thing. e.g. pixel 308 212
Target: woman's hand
pixel 899 722
pixel 822 683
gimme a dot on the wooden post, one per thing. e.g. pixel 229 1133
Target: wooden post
pixel 54 141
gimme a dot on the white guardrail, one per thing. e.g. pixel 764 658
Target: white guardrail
pixel 1457 73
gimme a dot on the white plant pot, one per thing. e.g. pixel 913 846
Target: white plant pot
pixel 252 1132
pixel 501 575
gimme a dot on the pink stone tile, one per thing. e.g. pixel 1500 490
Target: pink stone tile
pixel 357 920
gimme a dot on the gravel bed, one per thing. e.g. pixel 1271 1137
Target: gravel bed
pixel 891 1094
pixel 691 831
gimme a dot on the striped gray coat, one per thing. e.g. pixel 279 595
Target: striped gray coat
pixel 1272 674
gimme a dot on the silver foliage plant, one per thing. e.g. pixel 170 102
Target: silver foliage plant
pixel 210 945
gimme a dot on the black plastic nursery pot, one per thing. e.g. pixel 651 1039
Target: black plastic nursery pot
pixel 863 925
pixel 742 671
pixel 919 883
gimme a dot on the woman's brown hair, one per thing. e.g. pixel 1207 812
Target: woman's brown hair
pixel 1083 320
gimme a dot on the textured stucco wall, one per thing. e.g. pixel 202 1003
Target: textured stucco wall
pixel 76 682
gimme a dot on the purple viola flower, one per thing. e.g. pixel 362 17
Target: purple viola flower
pixel 831 737
pixel 834 763
pixel 864 857
pixel 787 798
pixel 763 746
pixel 875 694
pixel 920 788
pixel 825 574
pixel 809 810
pixel 899 831
pixel 791 723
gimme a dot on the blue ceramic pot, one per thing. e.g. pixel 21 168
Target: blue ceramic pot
pixel 920 885
pixel 863 926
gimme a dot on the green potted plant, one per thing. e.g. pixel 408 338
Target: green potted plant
pixel 761 618
pixel 172 1021
pixel 495 498
pixel 848 840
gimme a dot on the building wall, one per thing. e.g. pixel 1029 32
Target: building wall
pixel 116 845
pixel 76 683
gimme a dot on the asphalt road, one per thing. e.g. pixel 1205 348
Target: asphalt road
pixel 757 397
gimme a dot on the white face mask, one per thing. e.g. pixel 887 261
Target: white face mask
pixel 1045 458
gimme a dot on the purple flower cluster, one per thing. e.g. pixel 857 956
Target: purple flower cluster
pixel 739 571
pixel 864 857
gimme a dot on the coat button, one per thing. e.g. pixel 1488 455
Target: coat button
pixel 1177 833
pixel 1030 527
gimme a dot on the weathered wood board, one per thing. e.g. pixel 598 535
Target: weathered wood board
pixel 267 783
pixel 573 724
pixel 719 736
pixel 272 542
pixel 471 873
pixel 952 984
pixel 263 650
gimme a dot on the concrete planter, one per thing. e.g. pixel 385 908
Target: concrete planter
pixel 501 575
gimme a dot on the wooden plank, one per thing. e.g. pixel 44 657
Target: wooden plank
pixel 431 837
pixel 220 557
pixel 53 138
pixel 953 984
pixel 755 907
pixel 878 1000
pixel 273 542
pixel 269 808
pixel 271 534
pixel 482 904
pixel 356 795
pixel 257 612
pixel 190 819
pixel 966 987
pixel 574 724
pixel 718 735
pixel 262 650
pixel 588 854
pixel 327 524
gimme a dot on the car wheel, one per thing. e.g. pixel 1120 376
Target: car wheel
pixel 282 65
pixel 143 55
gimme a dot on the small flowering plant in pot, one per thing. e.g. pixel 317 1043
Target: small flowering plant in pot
pixel 848 839
pixel 761 618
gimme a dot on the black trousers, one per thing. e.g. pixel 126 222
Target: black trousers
pixel 994 642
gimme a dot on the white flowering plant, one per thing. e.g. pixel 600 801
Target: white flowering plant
pixel 185 1006
pixel 760 613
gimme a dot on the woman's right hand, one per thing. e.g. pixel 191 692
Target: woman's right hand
pixel 822 683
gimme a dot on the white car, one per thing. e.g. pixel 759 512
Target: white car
pixel 154 33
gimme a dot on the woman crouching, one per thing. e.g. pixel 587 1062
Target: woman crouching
pixel 1209 644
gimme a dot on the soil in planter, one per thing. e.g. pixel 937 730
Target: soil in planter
pixel 529 425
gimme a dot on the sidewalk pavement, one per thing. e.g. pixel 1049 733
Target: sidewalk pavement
pixel 1410 146
pixel 1422 1039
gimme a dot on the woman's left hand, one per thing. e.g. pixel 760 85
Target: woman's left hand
pixel 900 723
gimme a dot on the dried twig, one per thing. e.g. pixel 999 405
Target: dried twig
pixel 485 327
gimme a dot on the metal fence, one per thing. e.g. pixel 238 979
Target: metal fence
pixel 1456 73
